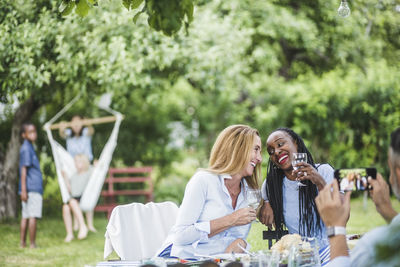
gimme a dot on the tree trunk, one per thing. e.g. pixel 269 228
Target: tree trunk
pixel 9 163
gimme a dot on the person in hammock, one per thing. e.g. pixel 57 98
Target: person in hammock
pixel 78 138
pixel 76 184
pixel 79 142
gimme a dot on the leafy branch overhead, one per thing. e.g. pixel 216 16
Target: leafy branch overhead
pixel 166 16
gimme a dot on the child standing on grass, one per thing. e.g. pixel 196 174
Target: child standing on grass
pixel 30 185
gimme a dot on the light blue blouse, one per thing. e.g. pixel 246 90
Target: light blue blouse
pixel 291 203
pixel 206 198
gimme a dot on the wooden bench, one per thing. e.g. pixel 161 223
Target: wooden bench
pixel 119 176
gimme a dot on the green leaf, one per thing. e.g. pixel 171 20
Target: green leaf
pixel 188 9
pixel 136 3
pixel 135 18
pixel 66 7
pixel 82 8
pixel 127 4
pixel 63 6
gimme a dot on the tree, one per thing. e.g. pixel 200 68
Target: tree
pixel 46 60
pixel 262 63
pixel 25 62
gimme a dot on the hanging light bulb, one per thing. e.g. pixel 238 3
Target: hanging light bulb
pixel 343 10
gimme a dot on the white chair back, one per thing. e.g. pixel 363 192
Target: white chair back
pixel 137 231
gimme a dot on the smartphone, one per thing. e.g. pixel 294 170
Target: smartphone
pixel 355 179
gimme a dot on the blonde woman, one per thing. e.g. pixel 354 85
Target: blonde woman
pixel 347 183
pixel 214 216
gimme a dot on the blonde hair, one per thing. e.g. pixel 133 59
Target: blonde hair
pixel 232 151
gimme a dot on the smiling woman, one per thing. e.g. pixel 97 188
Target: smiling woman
pixel 214 216
pixel 286 203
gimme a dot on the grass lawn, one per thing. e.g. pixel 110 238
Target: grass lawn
pixel 53 251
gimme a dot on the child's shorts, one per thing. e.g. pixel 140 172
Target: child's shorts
pixel 32 208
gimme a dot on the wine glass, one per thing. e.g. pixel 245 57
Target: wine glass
pixel 297 158
pixel 253 197
pixel 305 253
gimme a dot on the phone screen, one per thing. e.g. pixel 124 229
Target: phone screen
pixel 354 179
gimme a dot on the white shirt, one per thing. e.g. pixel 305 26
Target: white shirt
pixel 346 185
pixel 291 202
pixel 206 198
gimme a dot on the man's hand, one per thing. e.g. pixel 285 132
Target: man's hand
pixel 266 215
pixel 380 195
pixel 333 210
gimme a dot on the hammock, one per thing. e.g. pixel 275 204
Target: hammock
pixel 65 162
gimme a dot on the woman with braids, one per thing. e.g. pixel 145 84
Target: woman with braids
pixel 286 203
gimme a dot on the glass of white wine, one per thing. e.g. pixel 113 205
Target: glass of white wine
pixel 297 158
pixel 253 197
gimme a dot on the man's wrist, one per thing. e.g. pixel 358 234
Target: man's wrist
pixel 338 246
pixel 335 230
pixel 388 213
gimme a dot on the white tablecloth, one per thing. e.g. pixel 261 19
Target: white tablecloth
pixel 136 231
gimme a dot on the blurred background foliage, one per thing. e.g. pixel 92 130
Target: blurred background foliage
pixel 263 63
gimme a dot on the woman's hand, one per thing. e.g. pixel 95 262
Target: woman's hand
pixel 306 171
pixel 243 216
pixel 234 246
pixel 266 215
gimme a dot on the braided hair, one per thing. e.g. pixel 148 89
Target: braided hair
pixel 307 207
